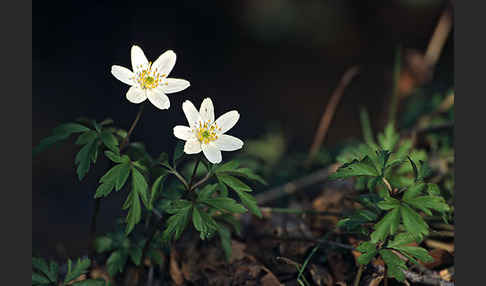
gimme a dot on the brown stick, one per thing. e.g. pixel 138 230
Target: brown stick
pixel 418 278
pixel 292 187
pixel 329 111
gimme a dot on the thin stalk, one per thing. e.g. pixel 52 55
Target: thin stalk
pixel 194 172
pixel 202 181
pixel 151 236
pixel 358 275
pixel 179 176
pixel 396 89
pixel 92 231
pixel 385 279
pixel 132 127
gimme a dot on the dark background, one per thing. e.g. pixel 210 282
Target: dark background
pixel 276 61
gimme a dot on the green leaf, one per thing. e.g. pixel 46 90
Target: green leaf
pixel 413 191
pixel 389 138
pixel 80 268
pixel 387 225
pixel 366 246
pixel 427 203
pixel 204 223
pixel 116 262
pixel 230 219
pixel 110 141
pixel 86 137
pixel 90 282
pixel 178 221
pixel 225 237
pixel 116 157
pixel 364 167
pixel 413 222
pixel 134 213
pixel 206 192
pixel 415 252
pixel 233 183
pixel 402 238
pixel 250 202
pixel 433 189
pixel 53 271
pixel 109 181
pixel 178 152
pixel 226 167
pixel 40 264
pixel 366 258
pixel 140 186
pixel 38 279
pixel 395 266
pixel 123 173
pixel 84 157
pixel 163 159
pixel 156 188
pixel 389 203
pixel 103 244
pixel 70 128
pixel 225 204
pixel 135 255
pixel 247 173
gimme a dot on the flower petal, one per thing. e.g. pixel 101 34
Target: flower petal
pixel 228 143
pixel 192 147
pixel 183 132
pixel 158 98
pixel 212 153
pixel 207 110
pixel 136 95
pixel 139 60
pixel 172 85
pixel 123 74
pixel 165 62
pixel 227 121
pixel 191 113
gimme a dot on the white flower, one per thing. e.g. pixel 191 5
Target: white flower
pixel 149 80
pixel 206 134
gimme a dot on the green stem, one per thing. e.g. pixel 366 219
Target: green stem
pixel 179 176
pixel 194 172
pixel 134 123
pixel 358 275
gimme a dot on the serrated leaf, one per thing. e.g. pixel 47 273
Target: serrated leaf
pixel 389 203
pixel 122 177
pixel 387 225
pixel 366 258
pixel 178 152
pixel 250 202
pixel 247 173
pixel 134 213
pixel 413 191
pixel 79 268
pixel 70 128
pixel 156 188
pixel 177 222
pixel 416 253
pixel 402 239
pixel 90 282
pixel 38 279
pixel 40 264
pixel 225 204
pixel 226 167
pixel 110 141
pixel 116 157
pixel 233 183
pixel 116 262
pixel 84 157
pixel 135 255
pixel 140 186
pixel 103 243
pixel 365 167
pixel 413 222
pixel 206 192
pixel 366 246
pixel 225 237
pixel 53 271
pixel 389 138
pixel 86 137
pixel 426 203
pixel 433 189
pixel 395 266
pixel 203 223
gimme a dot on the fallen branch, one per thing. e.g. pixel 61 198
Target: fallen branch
pixel 292 187
pixel 431 279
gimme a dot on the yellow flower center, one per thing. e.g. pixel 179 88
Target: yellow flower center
pixel 206 133
pixel 148 78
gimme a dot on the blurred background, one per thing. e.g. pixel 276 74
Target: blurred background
pixel 276 61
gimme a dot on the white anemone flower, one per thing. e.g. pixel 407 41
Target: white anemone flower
pixel 206 134
pixel 149 80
